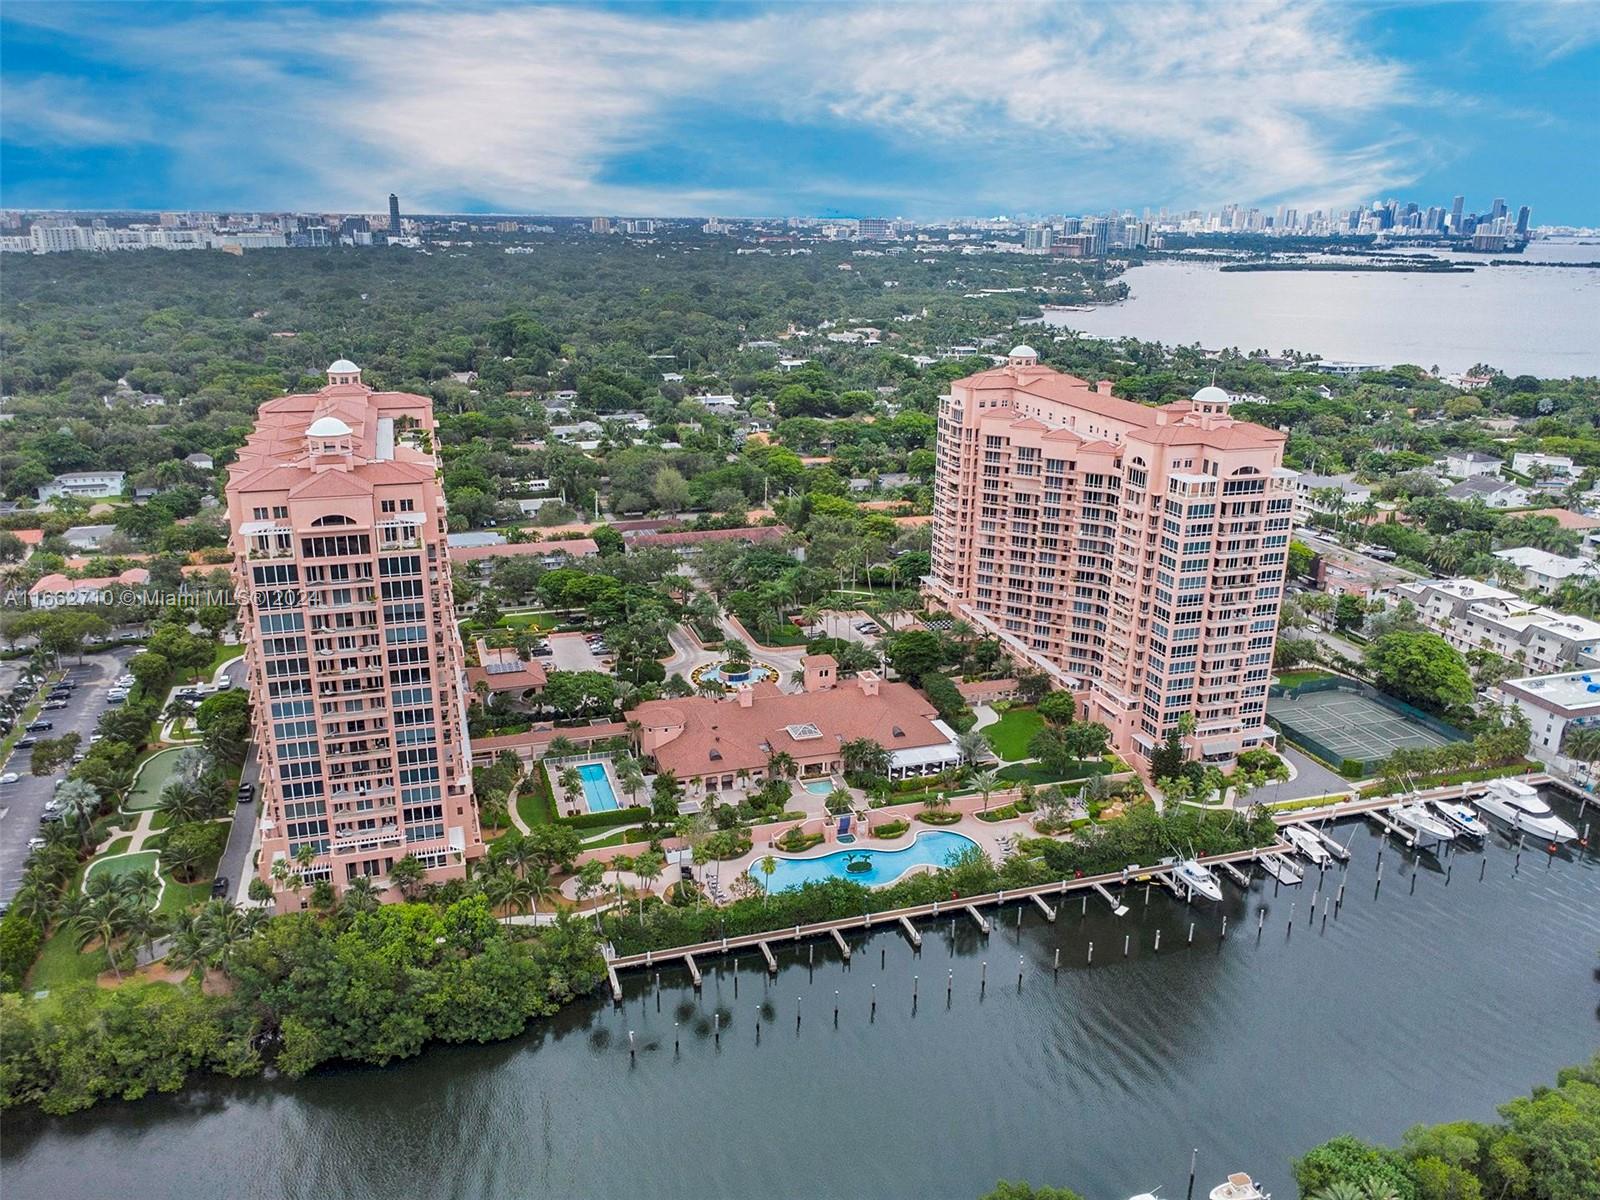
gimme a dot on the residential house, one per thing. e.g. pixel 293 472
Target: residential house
pixel 1489 491
pixel 1472 615
pixel 86 485
pixel 1546 572
pixel 1464 464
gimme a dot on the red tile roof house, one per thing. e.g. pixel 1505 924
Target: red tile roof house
pixel 720 745
pixel 57 591
pixel 502 669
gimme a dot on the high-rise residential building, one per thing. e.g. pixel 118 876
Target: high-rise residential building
pixel 355 667
pixel 394 215
pixel 1038 237
pixel 1522 221
pixel 1135 554
pixel 1455 213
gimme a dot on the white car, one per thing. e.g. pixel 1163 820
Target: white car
pixel 9 777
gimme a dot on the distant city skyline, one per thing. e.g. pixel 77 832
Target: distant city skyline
pixel 823 111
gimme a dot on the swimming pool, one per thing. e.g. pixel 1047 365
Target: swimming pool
pixel 820 788
pixel 598 793
pixel 932 847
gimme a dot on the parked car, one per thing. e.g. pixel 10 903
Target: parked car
pixel 40 726
pixel 9 777
pixel 219 886
pixel 53 705
pixel 24 743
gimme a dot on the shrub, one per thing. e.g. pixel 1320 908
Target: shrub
pixel 20 939
pixel 891 829
pixel 601 820
pixel 938 817
pixel 796 839
pixel 199 843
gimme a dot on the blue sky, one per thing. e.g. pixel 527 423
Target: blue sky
pixel 920 110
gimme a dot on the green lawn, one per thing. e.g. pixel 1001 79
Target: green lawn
pixel 533 806
pixel 1011 734
pixel 176 897
pixel 1038 774
pixel 1291 679
pixel 119 846
pixel 223 654
pixel 787 634
pixel 534 620
pixel 154 776
pixel 619 838
pixel 59 963
pixel 122 864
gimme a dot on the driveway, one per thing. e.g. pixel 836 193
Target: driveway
pixel 235 862
pixel 1311 779
pixel 23 801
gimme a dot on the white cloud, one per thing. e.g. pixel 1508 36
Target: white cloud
pixel 50 112
pixel 528 107
pixel 1552 29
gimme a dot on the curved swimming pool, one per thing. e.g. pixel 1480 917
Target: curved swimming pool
pixel 932 847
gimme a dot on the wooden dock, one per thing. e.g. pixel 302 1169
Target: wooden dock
pixel 772 962
pixel 1049 913
pixel 1281 869
pixel 1117 906
pixel 982 921
pixel 616 984
pixel 844 946
pixel 1233 873
pixel 974 904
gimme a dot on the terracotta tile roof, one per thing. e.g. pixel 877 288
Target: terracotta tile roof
pixel 738 732
pixel 1566 518
pixel 576 547
pixel 694 537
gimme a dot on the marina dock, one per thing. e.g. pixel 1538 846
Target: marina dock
pixel 1049 913
pixel 844 946
pixel 1232 872
pixel 766 953
pixel 973 904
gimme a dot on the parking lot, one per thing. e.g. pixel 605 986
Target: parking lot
pixel 22 802
pixel 571 652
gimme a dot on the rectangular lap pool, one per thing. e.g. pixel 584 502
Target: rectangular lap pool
pixel 598 793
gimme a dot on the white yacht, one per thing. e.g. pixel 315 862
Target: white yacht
pixel 1460 815
pixel 1522 808
pixel 1426 827
pixel 1196 879
pixel 1308 843
pixel 1239 1186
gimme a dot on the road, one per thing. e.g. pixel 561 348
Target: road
pixel 22 802
pixel 235 862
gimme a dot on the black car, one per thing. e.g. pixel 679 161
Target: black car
pixel 40 726
pixel 53 705
pixel 219 886
pixel 24 743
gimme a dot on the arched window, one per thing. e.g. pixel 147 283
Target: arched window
pixel 331 519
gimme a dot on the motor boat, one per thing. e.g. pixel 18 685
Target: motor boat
pixel 1425 827
pixel 1460 816
pixel 1309 843
pixel 1239 1186
pixel 1521 807
pixel 1197 879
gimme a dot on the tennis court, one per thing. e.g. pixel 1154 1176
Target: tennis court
pixel 1339 723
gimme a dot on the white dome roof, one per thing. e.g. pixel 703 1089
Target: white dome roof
pixel 328 427
pixel 1024 352
pixel 342 367
pixel 1212 394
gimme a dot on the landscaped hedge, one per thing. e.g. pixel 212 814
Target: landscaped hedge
pixel 604 820
pixel 20 939
pixel 938 816
pixel 891 829
pixel 796 840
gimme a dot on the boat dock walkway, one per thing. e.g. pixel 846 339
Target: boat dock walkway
pixel 973 904
pixel 1117 906
pixel 766 953
pixel 1233 873
pixel 1049 913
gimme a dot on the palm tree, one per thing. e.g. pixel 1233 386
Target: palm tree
pixel 145 926
pixel 973 745
pixel 631 779
pixel 986 782
pixel 541 886
pixel 1339 1190
pixel 518 894
pixel 228 927
pixel 407 874
pixel 80 806
pixel 102 918
pixel 360 896
pixel 768 866
pixel 189 950
pixel 571 785
pixel 141 887
pixel 180 802
pixel 1583 745
pixel 781 765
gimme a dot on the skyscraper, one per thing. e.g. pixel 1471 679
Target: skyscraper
pixel 1135 554
pixel 1522 221
pixel 355 666
pixel 394 215
pixel 1455 213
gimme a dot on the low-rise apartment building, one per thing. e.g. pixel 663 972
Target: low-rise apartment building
pixel 86 485
pixel 1546 572
pixel 1472 615
pixel 1554 705
pixel 1136 554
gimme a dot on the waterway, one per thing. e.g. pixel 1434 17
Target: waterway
pixel 1521 319
pixel 1425 1004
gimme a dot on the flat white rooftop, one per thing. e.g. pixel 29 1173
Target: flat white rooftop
pixel 1575 690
